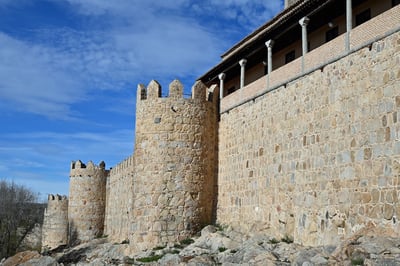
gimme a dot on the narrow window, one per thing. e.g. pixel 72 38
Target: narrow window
pixel 331 34
pixel 363 17
pixel 395 2
pixel 290 56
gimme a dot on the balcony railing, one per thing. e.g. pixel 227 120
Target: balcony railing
pixel 363 35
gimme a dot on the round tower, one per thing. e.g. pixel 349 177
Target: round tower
pixel 87 200
pixel 55 222
pixel 175 158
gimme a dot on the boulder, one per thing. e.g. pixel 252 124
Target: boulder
pixel 42 261
pixel 20 258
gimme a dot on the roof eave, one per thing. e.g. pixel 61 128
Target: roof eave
pixel 275 22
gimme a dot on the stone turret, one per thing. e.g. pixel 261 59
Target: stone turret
pixel 87 200
pixel 175 158
pixel 55 222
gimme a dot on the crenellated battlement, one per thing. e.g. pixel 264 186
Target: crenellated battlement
pixel 90 165
pixel 57 197
pixel 77 165
pixel 78 168
pixel 199 91
pixel 123 166
pixel 56 202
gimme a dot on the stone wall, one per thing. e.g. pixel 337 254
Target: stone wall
pixel 119 201
pixel 55 222
pixel 174 164
pixel 319 158
pixel 87 199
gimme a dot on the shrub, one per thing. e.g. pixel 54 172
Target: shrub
pixel 273 241
pixel 221 249
pixel 187 241
pixel 287 239
pixel 159 248
pixel 178 246
pixel 150 258
pixel 219 227
pixel 174 251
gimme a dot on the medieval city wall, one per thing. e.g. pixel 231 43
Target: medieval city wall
pixel 87 200
pixel 319 158
pixel 174 164
pixel 119 201
pixel 55 222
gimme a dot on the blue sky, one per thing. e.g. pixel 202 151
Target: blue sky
pixel 69 71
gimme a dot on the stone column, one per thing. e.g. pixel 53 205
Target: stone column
pixel 269 45
pixel 349 23
pixel 303 23
pixel 221 85
pixel 242 64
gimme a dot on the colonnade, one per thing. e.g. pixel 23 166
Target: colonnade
pixel 270 43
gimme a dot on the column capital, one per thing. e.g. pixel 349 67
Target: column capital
pixel 221 76
pixel 304 21
pixel 269 43
pixel 242 62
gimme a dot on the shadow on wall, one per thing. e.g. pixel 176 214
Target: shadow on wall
pixel 215 176
pixel 73 235
pixel 74 256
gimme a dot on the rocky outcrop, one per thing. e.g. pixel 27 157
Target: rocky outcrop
pixel 20 258
pixel 225 247
pixel 32 240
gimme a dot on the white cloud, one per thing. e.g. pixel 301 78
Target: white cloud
pixel 127 42
pixel 155 36
pixel 42 159
pixel 44 187
pixel 127 8
pixel 47 78
pixel 56 67
pixel 252 11
pixel 58 146
pixel 51 70
pixel 30 79
pixel 248 13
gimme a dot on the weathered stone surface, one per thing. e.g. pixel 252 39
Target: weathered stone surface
pixel 42 261
pixel 175 159
pixel 87 200
pixel 32 240
pixel 119 204
pixel 20 258
pixel 372 245
pixel 170 260
pixel 316 192
pixel 55 222
pixel 209 229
